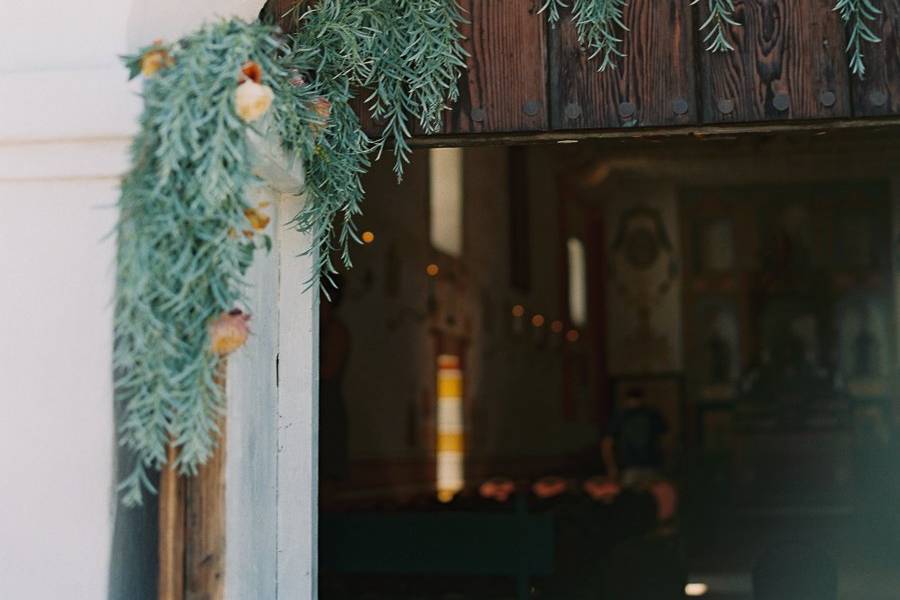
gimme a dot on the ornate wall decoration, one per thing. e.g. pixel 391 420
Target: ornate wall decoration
pixel 644 287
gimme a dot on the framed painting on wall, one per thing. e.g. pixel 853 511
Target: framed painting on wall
pixel 644 284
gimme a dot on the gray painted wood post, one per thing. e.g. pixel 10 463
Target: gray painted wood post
pixel 271 455
pixel 298 417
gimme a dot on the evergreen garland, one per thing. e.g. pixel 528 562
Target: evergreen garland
pixel 179 261
pixel 186 233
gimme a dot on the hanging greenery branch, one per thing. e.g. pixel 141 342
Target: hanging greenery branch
pixel 856 15
pixel 552 8
pixel 599 24
pixel 715 27
pixel 409 54
pixel 187 233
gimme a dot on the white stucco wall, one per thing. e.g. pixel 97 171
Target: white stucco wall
pixel 66 119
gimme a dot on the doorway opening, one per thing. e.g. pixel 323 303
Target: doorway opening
pixel 617 370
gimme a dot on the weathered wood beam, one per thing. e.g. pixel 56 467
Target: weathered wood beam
pixel 204 544
pixel 651 134
pixel 192 530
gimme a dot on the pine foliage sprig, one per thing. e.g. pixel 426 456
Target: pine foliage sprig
pixel 552 8
pixel 715 27
pixel 408 55
pixel 856 15
pixel 599 24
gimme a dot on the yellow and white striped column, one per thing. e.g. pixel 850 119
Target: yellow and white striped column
pixel 450 435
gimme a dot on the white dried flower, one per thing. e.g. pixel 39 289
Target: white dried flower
pixel 252 100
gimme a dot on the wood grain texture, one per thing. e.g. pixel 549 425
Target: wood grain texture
pixel 788 61
pixel 879 93
pixel 171 532
pixel 505 85
pixel 204 547
pixel 656 77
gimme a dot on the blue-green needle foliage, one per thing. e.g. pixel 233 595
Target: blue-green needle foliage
pixel 599 24
pixel 407 56
pixel 716 25
pixel 553 8
pixel 182 254
pixel 856 15
pixel 179 262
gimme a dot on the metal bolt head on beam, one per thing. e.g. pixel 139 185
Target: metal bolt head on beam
pixel 725 106
pixel 781 102
pixel 877 98
pixel 573 111
pixel 627 109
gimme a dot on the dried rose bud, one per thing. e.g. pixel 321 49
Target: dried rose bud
pixel 155 60
pixel 258 219
pixel 252 71
pixel 252 100
pixel 229 332
pixel 322 107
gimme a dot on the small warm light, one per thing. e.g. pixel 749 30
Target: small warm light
pixel 696 589
pixel 368 237
pixel 572 335
pixel 537 320
pixel 518 310
pixel 432 270
pixel 445 496
pixel 556 326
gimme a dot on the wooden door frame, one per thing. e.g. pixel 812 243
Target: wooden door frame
pixel 271 467
pixel 246 525
pixel 269 484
